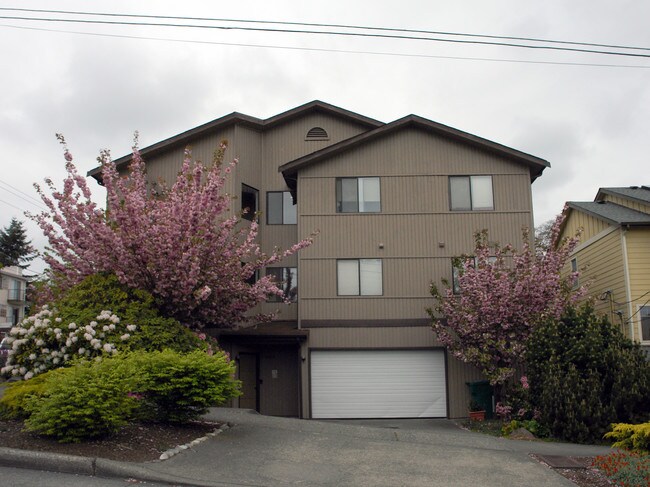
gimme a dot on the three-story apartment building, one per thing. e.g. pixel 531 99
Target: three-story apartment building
pixel 394 204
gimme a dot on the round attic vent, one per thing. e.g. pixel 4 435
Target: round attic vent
pixel 317 133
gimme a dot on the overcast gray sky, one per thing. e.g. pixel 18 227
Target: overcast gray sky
pixel 589 122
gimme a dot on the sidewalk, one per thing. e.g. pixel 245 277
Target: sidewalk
pixel 268 451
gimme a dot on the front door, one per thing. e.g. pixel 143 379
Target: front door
pixel 249 365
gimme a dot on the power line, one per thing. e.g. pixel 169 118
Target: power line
pixel 26 196
pixel 334 33
pixel 14 206
pixel 338 26
pixel 314 49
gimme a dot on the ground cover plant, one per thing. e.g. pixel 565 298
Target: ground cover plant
pixel 626 469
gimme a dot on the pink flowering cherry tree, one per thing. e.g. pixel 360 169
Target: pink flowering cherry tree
pixel 178 243
pixel 504 294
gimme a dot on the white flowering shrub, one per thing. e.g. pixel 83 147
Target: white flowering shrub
pixel 44 341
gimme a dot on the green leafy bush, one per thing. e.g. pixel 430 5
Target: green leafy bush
pixel 88 400
pixel 180 387
pixel 634 437
pixel 80 325
pixel 584 375
pixel 16 394
pixel 104 291
pixel 95 398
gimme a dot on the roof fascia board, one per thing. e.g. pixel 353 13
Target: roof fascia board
pixel 318 105
pixel 571 205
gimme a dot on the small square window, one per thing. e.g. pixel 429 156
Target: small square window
pixel 471 193
pixel 280 209
pixel 286 278
pixel 359 277
pixel 358 195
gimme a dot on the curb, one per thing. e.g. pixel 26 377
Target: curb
pixel 97 467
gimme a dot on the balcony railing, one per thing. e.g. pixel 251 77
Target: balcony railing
pixel 16 294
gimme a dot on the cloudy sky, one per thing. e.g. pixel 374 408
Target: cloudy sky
pixel 586 113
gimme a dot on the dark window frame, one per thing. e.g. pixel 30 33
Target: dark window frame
pixel 644 320
pixel 281 284
pixel 471 199
pixel 250 215
pixel 339 194
pixel 268 208
pixel 360 293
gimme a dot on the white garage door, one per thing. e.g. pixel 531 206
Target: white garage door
pixel 378 384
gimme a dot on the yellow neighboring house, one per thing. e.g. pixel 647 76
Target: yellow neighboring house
pixel 614 255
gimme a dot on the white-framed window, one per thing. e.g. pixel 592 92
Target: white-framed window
pixel 359 277
pixel 280 209
pixel 249 202
pixel 644 311
pixel 471 193
pixel 286 278
pixel 358 195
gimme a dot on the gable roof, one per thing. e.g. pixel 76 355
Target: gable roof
pixel 234 118
pixel 638 193
pixel 611 212
pixel 535 164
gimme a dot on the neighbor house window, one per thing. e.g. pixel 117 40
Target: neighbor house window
pixel 358 195
pixel 471 193
pixel 286 278
pixel 359 277
pixel 280 209
pixel 3 310
pixel 574 269
pixel 249 202
pixel 645 323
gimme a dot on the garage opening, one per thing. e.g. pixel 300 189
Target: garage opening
pixel 348 384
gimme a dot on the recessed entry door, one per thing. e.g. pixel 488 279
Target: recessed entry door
pixel 378 384
pixel 249 365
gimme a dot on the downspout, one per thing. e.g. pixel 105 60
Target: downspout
pixel 628 291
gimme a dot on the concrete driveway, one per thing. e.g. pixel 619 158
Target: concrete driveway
pixel 267 451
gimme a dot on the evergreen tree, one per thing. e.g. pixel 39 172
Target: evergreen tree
pixel 15 249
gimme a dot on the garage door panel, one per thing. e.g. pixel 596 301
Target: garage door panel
pixel 378 384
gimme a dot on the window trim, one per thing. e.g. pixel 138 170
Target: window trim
pixel 339 184
pixel 268 210
pixel 471 202
pixel 360 294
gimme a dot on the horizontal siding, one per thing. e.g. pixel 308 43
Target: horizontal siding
pixel 588 225
pixel 601 268
pixel 638 254
pixel 635 205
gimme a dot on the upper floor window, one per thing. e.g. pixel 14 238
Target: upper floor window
pixel 471 193
pixel 280 209
pixel 286 278
pixel 645 323
pixel 249 202
pixel 359 277
pixel 358 195
pixel 317 133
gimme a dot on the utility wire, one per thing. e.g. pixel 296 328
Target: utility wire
pixel 26 196
pixel 338 26
pixel 334 33
pixel 314 49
